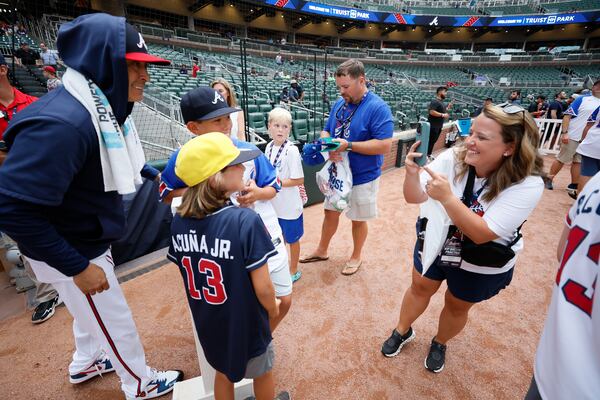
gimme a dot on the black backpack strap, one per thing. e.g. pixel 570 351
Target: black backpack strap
pixel 518 237
pixel 468 192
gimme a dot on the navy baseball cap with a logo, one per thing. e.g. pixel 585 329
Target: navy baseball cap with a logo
pixel 204 103
pixel 136 49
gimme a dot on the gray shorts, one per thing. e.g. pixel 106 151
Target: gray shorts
pixel 363 202
pixel 568 152
pixel 260 365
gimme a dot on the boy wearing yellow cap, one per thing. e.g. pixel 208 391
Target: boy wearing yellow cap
pixel 204 110
pixel 222 253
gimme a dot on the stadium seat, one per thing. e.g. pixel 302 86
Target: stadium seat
pixel 300 129
pixel 256 121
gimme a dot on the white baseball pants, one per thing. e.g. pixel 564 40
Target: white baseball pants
pixel 101 322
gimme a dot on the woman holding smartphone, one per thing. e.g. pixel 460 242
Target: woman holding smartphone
pixel 488 187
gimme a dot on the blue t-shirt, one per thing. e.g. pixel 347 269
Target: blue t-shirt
pixel 264 173
pixel 371 119
pixel 215 256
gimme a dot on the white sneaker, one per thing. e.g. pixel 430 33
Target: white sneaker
pixel 161 383
pixel 102 365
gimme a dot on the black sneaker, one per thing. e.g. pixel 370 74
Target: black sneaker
pixel 392 346
pixel 45 310
pixel 436 358
pixel 548 183
pixel 283 396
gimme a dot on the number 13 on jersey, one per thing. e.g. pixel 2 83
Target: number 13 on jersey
pixel 573 291
pixel 214 292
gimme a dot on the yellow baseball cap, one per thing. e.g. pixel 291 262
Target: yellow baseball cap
pixel 207 154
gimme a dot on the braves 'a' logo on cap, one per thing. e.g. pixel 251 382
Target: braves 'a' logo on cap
pixel 218 97
pixel 142 43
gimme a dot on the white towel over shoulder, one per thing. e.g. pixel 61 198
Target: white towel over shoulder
pixel 121 153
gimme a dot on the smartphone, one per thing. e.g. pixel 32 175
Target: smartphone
pixel 423 128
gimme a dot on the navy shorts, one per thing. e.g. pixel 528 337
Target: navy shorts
pixel 589 166
pixel 292 229
pixel 465 285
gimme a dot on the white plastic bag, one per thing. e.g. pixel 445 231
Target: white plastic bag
pixel 438 224
pixel 335 182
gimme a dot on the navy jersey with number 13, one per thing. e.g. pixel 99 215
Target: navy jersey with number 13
pixel 215 256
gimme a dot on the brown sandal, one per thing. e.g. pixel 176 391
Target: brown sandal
pixel 311 259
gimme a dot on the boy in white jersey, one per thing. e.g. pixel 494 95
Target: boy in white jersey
pixel 285 157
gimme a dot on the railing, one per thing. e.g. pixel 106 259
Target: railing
pixel 550 130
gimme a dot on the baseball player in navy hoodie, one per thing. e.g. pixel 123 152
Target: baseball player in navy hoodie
pixel 60 196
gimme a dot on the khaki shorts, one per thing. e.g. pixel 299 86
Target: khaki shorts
pixel 568 152
pixel 363 202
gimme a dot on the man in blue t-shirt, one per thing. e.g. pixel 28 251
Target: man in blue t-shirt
pixel 362 123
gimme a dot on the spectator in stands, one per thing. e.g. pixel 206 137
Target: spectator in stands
pixel 437 113
pixel 183 70
pixel 195 69
pixel 292 62
pixel 500 164
pixel 26 55
pixel 299 91
pixel 49 57
pixel 253 71
pixel 279 59
pixel 66 213
pixel 293 95
pixel 238 123
pixel 515 97
pixel 21 30
pixel 284 97
pixel 52 80
pixel 555 109
pixel 539 108
pixel 487 102
pixel 573 124
pixel 362 123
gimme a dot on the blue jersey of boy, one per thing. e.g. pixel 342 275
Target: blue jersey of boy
pixel 371 120
pixel 264 171
pixel 215 256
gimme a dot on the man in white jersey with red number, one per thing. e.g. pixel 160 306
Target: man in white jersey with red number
pixel 567 363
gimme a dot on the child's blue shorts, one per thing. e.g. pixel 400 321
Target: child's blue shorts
pixel 293 229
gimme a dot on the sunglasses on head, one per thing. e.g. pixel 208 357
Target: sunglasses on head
pixel 512 109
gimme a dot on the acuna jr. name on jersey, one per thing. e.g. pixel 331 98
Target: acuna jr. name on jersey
pixel 190 242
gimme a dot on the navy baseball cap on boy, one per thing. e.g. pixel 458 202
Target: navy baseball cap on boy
pixel 204 103
pixel 3 60
pixel 136 49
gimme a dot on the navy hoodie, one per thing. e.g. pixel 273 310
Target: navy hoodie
pixel 52 198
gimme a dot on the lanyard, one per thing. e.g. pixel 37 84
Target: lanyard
pixel 278 153
pixel 343 124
